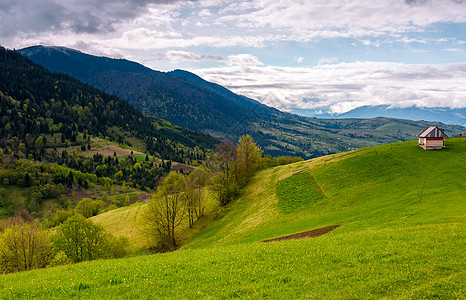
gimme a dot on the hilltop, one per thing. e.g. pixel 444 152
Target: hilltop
pixel 401 236
pixel 187 100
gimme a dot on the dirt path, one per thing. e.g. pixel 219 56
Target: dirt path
pixel 307 234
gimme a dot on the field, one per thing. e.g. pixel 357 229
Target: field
pixel 402 236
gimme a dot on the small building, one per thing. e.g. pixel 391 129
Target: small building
pixel 431 138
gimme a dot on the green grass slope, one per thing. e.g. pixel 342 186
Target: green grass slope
pixel 388 186
pixel 402 211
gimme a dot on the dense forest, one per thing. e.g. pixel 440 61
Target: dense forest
pixel 36 104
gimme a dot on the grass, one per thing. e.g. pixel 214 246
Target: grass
pixel 389 186
pixel 123 196
pixel 124 222
pixel 418 262
pixel 402 210
pixel 298 191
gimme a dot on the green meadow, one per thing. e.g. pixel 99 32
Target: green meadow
pixel 402 211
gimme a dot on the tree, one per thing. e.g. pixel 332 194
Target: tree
pixel 39 143
pixel 224 171
pixel 24 246
pixel 195 182
pixel 166 210
pixel 81 239
pixel 249 158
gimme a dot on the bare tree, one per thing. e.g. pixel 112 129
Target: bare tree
pixel 195 183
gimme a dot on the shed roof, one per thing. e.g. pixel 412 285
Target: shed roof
pixel 432 131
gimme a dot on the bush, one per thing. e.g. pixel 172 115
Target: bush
pixel 60 259
pixel 118 246
pixel 59 217
pixel 89 208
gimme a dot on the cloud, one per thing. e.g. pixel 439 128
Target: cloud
pixel 309 20
pixel 176 56
pixel 243 60
pixel 345 86
pixel 328 60
pixel 26 17
pixel 299 59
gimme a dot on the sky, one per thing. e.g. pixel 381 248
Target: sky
pixel 326 56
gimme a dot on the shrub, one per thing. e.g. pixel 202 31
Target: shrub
pixel 89 208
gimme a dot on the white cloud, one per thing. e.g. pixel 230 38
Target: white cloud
pixel 204 13
pixel 327 60
pixel 345 86
pixel 299 59
pixel 307 20
pixel 453 50
pixel 176 56
pixel 243 60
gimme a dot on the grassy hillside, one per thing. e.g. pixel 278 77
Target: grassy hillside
pixel 388 186
pixel 402 236
pixel 124 222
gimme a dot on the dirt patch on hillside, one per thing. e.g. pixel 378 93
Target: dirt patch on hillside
pixel 304 235
pixel 109 151
pixel 178 166
pixel 145 197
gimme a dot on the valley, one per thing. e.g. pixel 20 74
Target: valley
pixel 398 238
pixel 247 149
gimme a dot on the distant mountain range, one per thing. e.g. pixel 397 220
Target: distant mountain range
pixel 187 100
pixel 440 114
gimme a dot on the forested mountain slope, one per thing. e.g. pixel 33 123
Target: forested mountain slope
pixel 36 102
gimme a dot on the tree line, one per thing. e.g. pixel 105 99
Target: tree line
pixel 24 245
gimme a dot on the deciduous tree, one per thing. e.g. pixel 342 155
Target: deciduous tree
pixel 24 246
pixel 81 240
pixel 249 158
pixel 165 212
pixel 223 166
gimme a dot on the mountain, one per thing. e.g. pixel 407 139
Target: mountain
pixel 441 114
pixel 154 93
pixel 38 103
pixel 445 115
pixel 187 100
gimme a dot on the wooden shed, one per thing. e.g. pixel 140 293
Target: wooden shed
pixel 432 137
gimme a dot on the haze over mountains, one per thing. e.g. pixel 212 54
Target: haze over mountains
pixel 187 100
pixel 441 114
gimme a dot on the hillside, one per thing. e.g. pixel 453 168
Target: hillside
pixel 388 186
pixel 187 100
pixel 36 102
pixel 402 236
